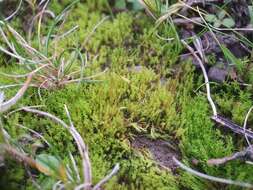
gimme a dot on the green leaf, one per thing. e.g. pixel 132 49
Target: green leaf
pixel 151 5
pixel 120 4
pixel 57 20
pixel 217 23
pixel 48 164
pixel 211 18
pixel 251 13
pixel 164 9
pixel 230 56
pixel 222 14
pixel 228 22
pixel 136 6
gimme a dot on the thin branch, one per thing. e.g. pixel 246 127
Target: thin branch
pixel 94 29
pixel 232 126
pixel 15 12
pixel 75 167
pixel 85 78
pixel 17 155
pixel 36 133
pixel 8 104
pixel 45 114
pixel 66 33
pixel 107 178
pixel 208 91
pixel 211 178
pixel 245 125
pixel 83 151
pixel 219 161
pixel 182 21
pixel 246 154
pixel 26 74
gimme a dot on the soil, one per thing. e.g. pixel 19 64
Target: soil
pixel 162 151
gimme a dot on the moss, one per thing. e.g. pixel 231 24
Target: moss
pixel 97 114
pixel 234 102
pixel 144 90
pixel 201 141
pixel 13 177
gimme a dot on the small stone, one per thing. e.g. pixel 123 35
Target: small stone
pixel 163 81
pixel 217 74
pixel 193 60
pixel 1 161
pixel 136 68
pixel 195 161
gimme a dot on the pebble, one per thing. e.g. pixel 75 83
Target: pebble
pixel 217 74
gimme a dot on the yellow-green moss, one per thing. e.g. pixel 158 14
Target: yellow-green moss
pixel 144 87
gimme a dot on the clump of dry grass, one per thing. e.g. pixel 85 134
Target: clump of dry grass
pixel 50 70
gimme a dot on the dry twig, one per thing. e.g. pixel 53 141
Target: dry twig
pixel 6 105
pixel 245 125
pixel 107 178
pixel 15 12
pixel 246 154
pixel 232 126
pixel 208 91
pixel 17 155
pixel 211 178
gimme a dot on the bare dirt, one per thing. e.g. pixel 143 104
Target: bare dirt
pixel 162 151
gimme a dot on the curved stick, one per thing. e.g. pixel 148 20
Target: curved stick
pixel 212 178
pixel 108 177
pixel 6 105
pixel 208 91
pixel 15 12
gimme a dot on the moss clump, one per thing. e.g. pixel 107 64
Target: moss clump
pixel 144 90
pixel 13 177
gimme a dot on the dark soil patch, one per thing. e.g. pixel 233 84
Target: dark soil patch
pixel 161 150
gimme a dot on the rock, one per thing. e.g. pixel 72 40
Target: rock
pixel 1 161
pixel 163 81
pixel 193 60
pixel 240 12
pixel 217 74
pixel 238 50
pixel 135 69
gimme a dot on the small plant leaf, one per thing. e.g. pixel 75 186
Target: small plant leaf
pixel 222 15
pixel 136 6
pixel 228 22
pixel 151 5
pixel 164 9
pixel 251 13
pixel 120 4
pixel 217 23
pixel 211 18
pixel 48 164
pixel 230 56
